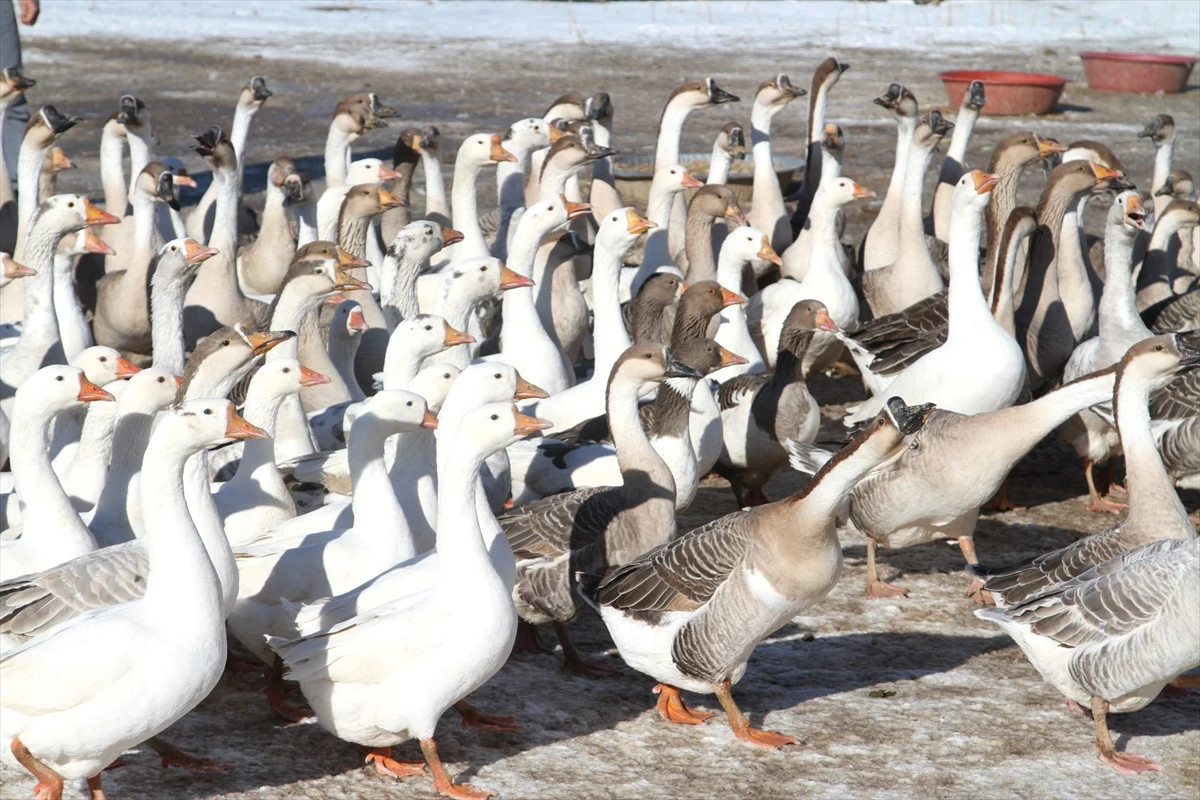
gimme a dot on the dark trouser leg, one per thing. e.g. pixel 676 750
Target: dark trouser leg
pixel 18 112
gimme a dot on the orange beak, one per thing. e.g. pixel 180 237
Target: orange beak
pixel 451 236
pixel 683 286
pixel 498 153
pixel 89 392
pixel 690 181
pixel 59 160
pixel 984 181
pixel 347 282
pixel 178 381
pixel 767 253
pixel 511 280
pixel 386 173
pixel 14 270
pixel 1103 173
pixel 527 391
pixel 555 134
pixel 388 200
pixel 347 261
pixel 861 192
pixel 636 224
pixel 309 377
pixel 1049 147
pixel 575 210
pixel 264 341
pixel 356 321
pixel 729 359
pixel 456 337
pixel 527 425
pixel 236 427
pixel 825 322
pixel 94 244
pixel 98 216
pixel 198 253
pixel 184 180
pixel 430 421
pixel 1133 206
pixel 729 298
pixel 126 369
pixel 734 213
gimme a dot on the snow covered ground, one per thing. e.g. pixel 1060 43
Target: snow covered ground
pixel 956 26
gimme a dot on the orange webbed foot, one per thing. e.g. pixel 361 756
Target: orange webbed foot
pixel 980 596
pixel 882 589
pixel 671 707
pixel 761 738
pixel 48 790
pixel 381 758
pixel 471 718
pixel 1129 763
pixel 1102 505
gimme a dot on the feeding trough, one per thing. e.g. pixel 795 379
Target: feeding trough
pixel 1008 93
pixel 633 174
pixel 1144 73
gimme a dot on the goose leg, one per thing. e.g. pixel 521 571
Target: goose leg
pixel 173 756
pixel 277 694
pixel 875 587
pixel 1129 763
pixel 50 783
pixel 1096 502
pixel 527 638
pixel 574 661
pixel 442 781
pixel 975 591
pixel 672 708
pixel 1002 502
pixel 389 767
pixel 471 718
pixel 93 784
pixel 740 723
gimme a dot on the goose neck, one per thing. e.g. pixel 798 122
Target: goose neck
pixel 611 338
pixel 112 176
pixel 337 154
pixel 1004 200
pixel 823 261
pixel 352 231
pixel 811 511
pixel 967 305
pixel 719 164
pixel 670 129
pixel 1118 300
pixel 139 153
pixel 143 236
pixel 374 497
pixel 697 244
pixel 635 455
pixel 466 215
pixel 459 539
pixel 1000 299
pixel 119 501
pixel 40 248
pixel 906 127
pixel 242 116
pixel 435 185
pixel 168 291
pixel 398 294
pixel 224 231
pixel 1163 157
pixel 74 330
pixel 911 225
pixel 964 124
pixel 789 361
pixel 1025 425
pixel 29 175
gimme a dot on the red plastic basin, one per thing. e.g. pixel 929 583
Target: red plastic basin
pixel 1008 93
pixel 1146 73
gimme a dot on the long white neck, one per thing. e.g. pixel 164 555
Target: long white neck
pixel 460 546
pixel 167 293
pixel 823 262
pixel 73 328
pixel 374 498
pixel 718 165
pixel 207 520
pixel 1153 503
pixel 40 332
pixel 609 334
pixel 143 238
pixel 118 510
pixel 466 215
pixel 1157 271
pixel 47 513
pixel 242 115
pixel 1163 157
pixel 1118 313
pixel 257 468
pixel 398 292
pixel 670 129
pixel 112 174
pixel 967 304
pixel 768 196
pixel 886 225
pixel 85 477
pixel 224 231
pixel 1074 285
pixel 337 154
pixel 913 250
pixel 182 579
pixel 435 186
pixel 400 363
pixel 956 153
pixel 454 305
pixel 657 251
pixel 524 341
pixel 29 178
pixel 139 153
pixel 831 166
pixel 306 222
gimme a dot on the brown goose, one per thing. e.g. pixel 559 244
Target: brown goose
pixel 691 612
pixel 825 77
pixel 759 413
pixel 708 204
pixel 590 529
pixel 263 261
pixel 645 315
pixel 406 154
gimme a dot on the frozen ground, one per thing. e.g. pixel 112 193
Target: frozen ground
pixel 969 717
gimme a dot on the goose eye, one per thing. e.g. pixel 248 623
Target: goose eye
pixel 409 403
pixel 71 204
pixel 162 380
pixel 317 271
pixel 446 375
pixel 1159 347
pixel 497 376
pixel 58 378
pixel 648 355
pixel 286 370
pixel 495 417
pixel 225 343
pixel 103 359
pixel 208 411
pixel 428 327
pixel 483 269
pixel 173 248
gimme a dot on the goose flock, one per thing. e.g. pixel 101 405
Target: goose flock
pixel 379 446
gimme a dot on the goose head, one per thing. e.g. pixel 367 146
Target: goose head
pixel 156 183
pixel 150 390
pixel 84 241
pixel 318 270
pixel 833 140
pixel 973 191
pixel 1159 129
pixel 599 108
pixel 549 215
pixel 703 299
pixel 428 140
pixel 194 425
pixel 1096 152
pixel 418 241
pixel 284 377
pixel 397 411
pixel 434 382
pixel 732 139
pixel 103 365
pixel 180 259
pixel 1180 214
pixel 132 115
pixel 12 83
pixel 224 357
pixel 492 383
pixel 673 179
pixel 1156 360
pixel 283 175
pixel 11 270
pixel 254 94
pixel 775 93
pixel 701 94
pixel 662 289
pixel 1018 150
pixel 361 112
pixel 215 148
pixel 348 320
pixel 840 192
pixel 747 244
pixel 885 435
pixel 56 161
pixel 1076 177
pixel 482 150
pixel 717 200
pixel 57 388
pixel 931 129
pixel 900 101
pixel 527 135
pixel 705 356
pixel 974 97
pixel 366 200
pixel 1128 213
pixel 644 365
pixel 369 170
pixel 621 229
pixel 47 125
pixel 810 315
pixel 71 212
pixel 567 107
pixel 491 428
pixel 1179 184
pixel 572 152
pixel 475 279
pixel 425 335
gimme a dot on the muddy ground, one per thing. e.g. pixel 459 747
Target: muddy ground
pixel 964 714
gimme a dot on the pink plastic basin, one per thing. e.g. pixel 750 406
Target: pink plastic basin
pixel 1008 93
pixel 1146 73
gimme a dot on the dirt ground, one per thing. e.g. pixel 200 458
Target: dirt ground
pixel 891 699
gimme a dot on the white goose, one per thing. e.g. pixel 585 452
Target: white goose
pixel 474 154
pixel 741 246
pixel 73 700
pixel 768 213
